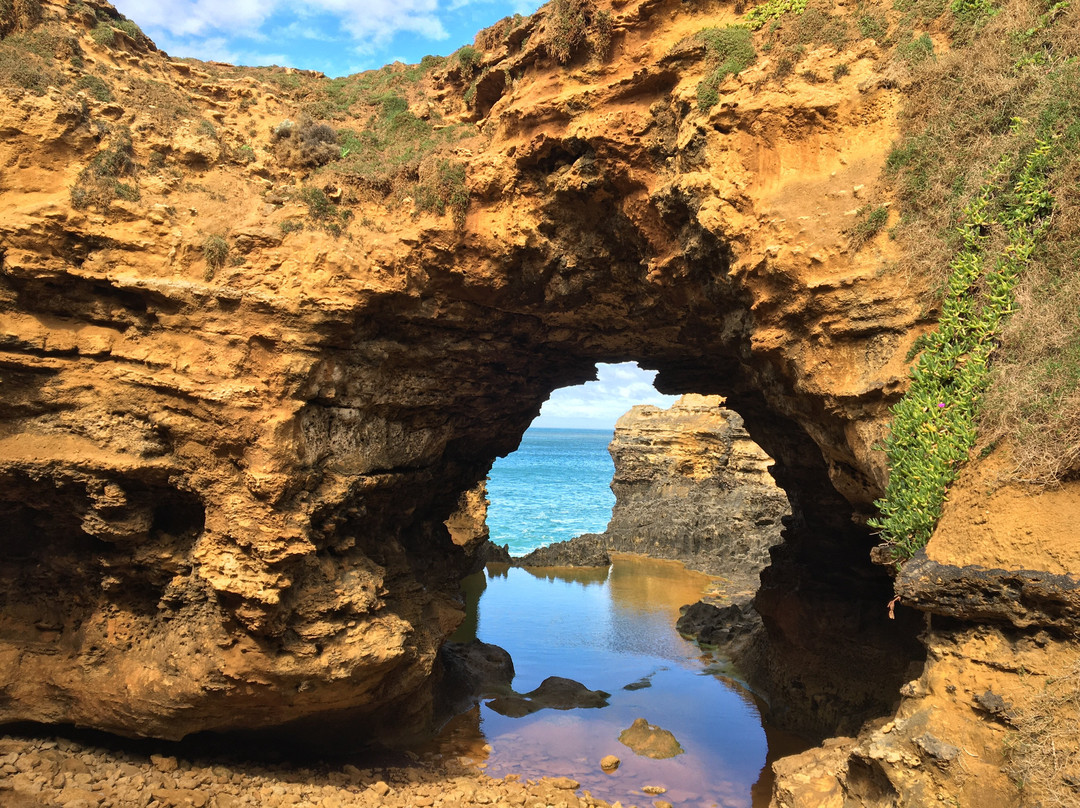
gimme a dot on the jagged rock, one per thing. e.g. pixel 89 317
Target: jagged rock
pixel 650 741
pixel 723 626
pixel 587 550
pixel 691 485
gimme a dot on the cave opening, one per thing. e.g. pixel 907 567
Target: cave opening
pixel 557 484
pixel 816 597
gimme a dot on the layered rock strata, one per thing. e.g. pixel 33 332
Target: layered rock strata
pixel 225 483
pixel 691 485
pixel 238 473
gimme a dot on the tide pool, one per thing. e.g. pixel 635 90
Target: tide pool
pixel 611 629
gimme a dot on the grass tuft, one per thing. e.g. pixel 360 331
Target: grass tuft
pixel 729 51
pixel 1042 754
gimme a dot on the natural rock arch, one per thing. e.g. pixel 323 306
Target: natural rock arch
pixel 263 461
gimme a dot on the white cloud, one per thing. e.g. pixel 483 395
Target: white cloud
pixel 600 403
pixel 369 23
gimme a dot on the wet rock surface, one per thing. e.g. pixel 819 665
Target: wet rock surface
pixel 555 692
pixel 587 550
pixel 650 741
pixel 472 671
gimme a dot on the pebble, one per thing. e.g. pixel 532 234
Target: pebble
pixel 609 763
pixel 69 774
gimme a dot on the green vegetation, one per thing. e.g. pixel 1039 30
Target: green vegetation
pixel 934 424
pixel 729 51
pixel 916 51
pixel 392 144
pixel 100 183
pixel 442 189
pixel 469 59
pixel 324 212
pixel 95 87
pixel 577 24
pixel 988 99
pixel 873 26
pixel 869 221
pixel 772 10
pixel 104 33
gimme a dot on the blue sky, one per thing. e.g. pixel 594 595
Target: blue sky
pixel 338 37
pixel 596 405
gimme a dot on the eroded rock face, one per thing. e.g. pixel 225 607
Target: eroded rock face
pixel 225 489
pixel 691 485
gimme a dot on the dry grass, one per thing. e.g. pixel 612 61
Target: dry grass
pixel 987 99
pixel 1044 753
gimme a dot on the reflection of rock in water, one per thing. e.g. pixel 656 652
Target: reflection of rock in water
pixel 575 575
pixel 555 692
pixel 650 741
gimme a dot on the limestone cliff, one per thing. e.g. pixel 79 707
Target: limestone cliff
pixel 243 390
pixel 689 484
pixel 236 463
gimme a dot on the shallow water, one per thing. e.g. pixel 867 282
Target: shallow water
pixel 607 630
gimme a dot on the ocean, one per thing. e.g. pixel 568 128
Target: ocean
pixel 611 629
pixel 557 485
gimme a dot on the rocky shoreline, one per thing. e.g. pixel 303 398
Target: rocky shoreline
pixel 59 772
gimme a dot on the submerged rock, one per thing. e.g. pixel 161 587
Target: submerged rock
pixel 650 741
pixel 555 692
pixel 610 763
pixel 726 626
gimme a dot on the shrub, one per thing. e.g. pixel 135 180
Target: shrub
pixel 99 183
pixel 573 24
pixel 872 26
pixel 469 59
pixel 840 71
pixel 216 252
pixel 103 34
pixel 442 189
pixel 728 51
pixel 97 88
pixel 305 145
pixel 323 212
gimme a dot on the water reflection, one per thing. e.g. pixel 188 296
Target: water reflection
pixel 613 630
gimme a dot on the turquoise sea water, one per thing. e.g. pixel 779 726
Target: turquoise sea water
pixel 554 487
pixel 612 630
